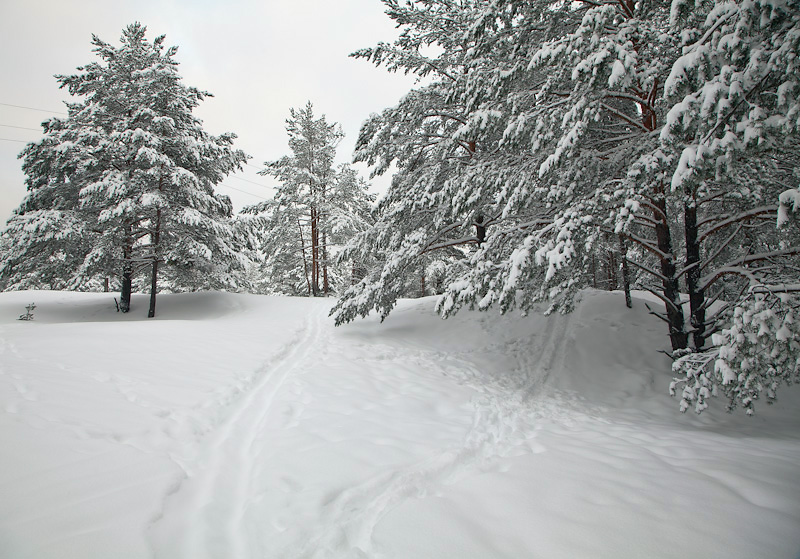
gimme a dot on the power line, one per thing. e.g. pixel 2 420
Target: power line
pixel 20 127
pixel 10 140
pixel 251 182
pixel 242 191
pixel 32 109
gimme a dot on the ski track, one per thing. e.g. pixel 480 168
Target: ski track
pixel 212 521
pixel 507 414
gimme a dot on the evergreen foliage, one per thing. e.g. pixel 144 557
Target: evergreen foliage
pixel 547 133
pixel 316 209
pixel 126 182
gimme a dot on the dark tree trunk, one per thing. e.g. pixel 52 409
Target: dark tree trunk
pixel 612 271
pixel 675 320
pixel 422 283
pixel 127 272
pixel 154 278
pixel 480 229
pixel 626 274
pixel 125 294
pixel 314 253
pixel 153 287
pixel 696 292
pixel 325 286
pixel 305 259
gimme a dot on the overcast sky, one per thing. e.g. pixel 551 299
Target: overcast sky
pixel 258 57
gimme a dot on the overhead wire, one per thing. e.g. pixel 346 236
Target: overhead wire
pixel 252 182
pixel 33 109
pixel 20 127
pixel 242 191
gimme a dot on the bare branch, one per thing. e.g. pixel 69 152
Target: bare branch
pixel 624 117
pixel 650 271
pixel 729 220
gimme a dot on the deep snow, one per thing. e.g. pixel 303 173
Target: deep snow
pixel 238 426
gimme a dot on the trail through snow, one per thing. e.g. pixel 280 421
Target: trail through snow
pixel 207 514
pixel 249 427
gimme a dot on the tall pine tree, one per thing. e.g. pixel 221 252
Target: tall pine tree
pixel 126 182
pixel 316 208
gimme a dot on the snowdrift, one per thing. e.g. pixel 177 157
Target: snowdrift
pixel 248 426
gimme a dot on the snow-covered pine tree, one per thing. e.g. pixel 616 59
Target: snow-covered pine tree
pixel 316 208
pixel 579 106
pixel 348 211
pixel 49 235
pixel 732 137
pixel 585 126
pixel 428 206
pixel 134 172
pixel 278 247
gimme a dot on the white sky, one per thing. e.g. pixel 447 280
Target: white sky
pixel 258 57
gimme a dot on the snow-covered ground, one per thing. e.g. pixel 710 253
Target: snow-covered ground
pixel 239 426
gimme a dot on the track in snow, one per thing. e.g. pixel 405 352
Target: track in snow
pixel 208 513
pixel 506 417
pixel 205 515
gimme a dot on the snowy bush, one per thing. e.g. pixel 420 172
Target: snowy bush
pixel 759 351
pixel 28 312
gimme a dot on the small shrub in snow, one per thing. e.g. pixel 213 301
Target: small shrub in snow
pixel 28 313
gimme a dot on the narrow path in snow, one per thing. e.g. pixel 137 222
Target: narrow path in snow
pixel 205 514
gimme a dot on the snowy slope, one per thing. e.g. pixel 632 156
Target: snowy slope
pixel 244 426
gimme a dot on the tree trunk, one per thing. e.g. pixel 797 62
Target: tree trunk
pixel 675 320
pixel 154 278
pixel 305 259
pixel 612 271
pixel 153 286
pixel 325 286
pixel 626 274
pixel 127 284
pixel 314 253
pixel 127 272
pixel 422 283
pixel 480 229
pixel 696 293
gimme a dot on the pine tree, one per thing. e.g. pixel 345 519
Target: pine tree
pixel 134 172
pixel 315 209
pixel 423 136
pixel 662 135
